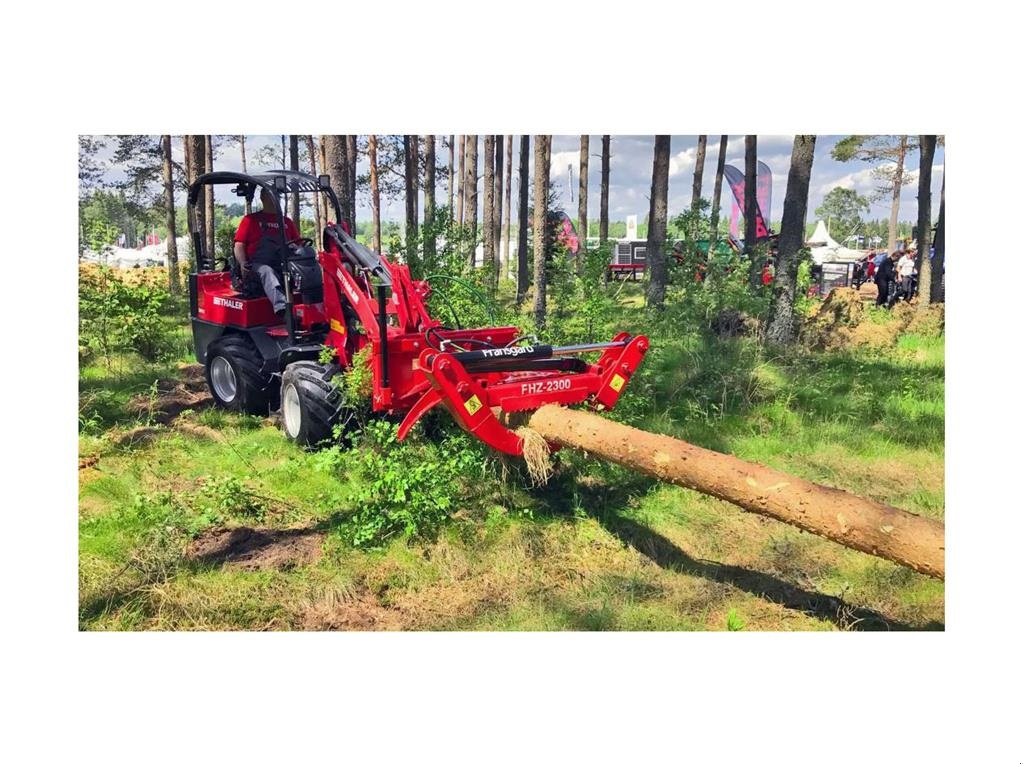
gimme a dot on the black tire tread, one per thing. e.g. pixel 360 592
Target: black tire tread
pixel 323 404
pixel 254 385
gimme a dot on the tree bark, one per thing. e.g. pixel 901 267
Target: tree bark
pixel 924 222
pixel 506 222
pixel 939 262
pixel 209 219
pixel 451 178
pixel 897 184
pixel 716 198
pixel 174 284
pixel 334 150
pixel 411 190
pixel 352 155
pixel 791 240
pixel 318 230
pixel 658 223
pixel 499 172
pixel 750 212
pixel 471 199
pixel 584 179
pixel 461 214
pixel 323 169
pixel 605 172
pixel 861 524
pixel 374 193
pixel 194 152
pixel 488 222
pixel 429 204
pixel 245 169
pixel 698 171
pixel 541 172
pixel 293 201
pixel 522 258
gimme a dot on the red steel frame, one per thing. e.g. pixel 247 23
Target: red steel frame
pixel 419 376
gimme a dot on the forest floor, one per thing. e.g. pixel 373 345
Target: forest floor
pixel 264 545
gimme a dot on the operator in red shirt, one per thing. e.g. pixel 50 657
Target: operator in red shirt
pixel 257 248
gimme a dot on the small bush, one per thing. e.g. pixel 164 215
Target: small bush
pixel 404 488
pixel 115 316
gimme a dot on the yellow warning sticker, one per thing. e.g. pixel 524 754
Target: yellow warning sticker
pixel 338 327
pixel 473 404
pixel 617 382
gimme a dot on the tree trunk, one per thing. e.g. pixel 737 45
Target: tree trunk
pixel 245 169
pixel 716 198
pixel 194 152
pixel 318 230
pixel 522 258
pixel 174 284
pixel 429 192
pixel 499 172
pixel 698 171
pixel 750 212
pixel 334 150
pixel 605 170
pixel 352 155
pixel 293 201
pixel 209 220
pixel 541 171
pixel 924 222
pixel 461 213
pixel 939 262
pixel 411 190
pixel 868 526
pixel 791 240
pixel 451 178
pixel 323 169
pixel 471 200
pixel 506 222
pixel 488 222
pixel 657 223
pixel 897 184
pixel 584 179
pixel 374 193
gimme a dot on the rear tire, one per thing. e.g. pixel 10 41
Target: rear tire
pixel 235 377
pixel 311 406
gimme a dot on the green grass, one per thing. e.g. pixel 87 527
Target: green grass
pixel 599 548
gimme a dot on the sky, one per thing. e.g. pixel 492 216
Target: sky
pixel 630 174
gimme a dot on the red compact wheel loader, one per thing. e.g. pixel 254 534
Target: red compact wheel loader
pixel 347 297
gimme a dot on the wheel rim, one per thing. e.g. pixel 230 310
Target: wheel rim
pixel 222 379
pixel 291 410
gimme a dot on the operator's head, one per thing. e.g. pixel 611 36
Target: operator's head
pixel 267 199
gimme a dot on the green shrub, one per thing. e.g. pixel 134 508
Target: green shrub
pixel 404 488
pixel 115 316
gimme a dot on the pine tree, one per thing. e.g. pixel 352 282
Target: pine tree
pixel 658 223
pixel 429 241
pixel 522 257
pixel 791 239
pixel 172 245
pixel 584 178
pixel 541 173
pixel 605 172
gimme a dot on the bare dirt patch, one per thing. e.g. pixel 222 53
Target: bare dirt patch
pixel 138 437
pixel 350 612
pixel 247 548
pixel 172 396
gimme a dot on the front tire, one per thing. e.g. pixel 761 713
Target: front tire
pixel 311 406
pixel 235 377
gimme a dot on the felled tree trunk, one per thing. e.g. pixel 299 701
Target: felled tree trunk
pixel 858 523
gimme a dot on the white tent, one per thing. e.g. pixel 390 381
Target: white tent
pixel 824 248
pixel 127 258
